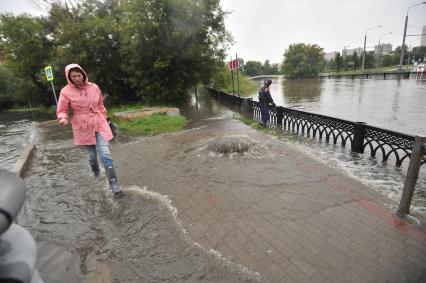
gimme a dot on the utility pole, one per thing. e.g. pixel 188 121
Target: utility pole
pixel 401 58
pixel 365 41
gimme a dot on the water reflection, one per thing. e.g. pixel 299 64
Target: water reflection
pixel 397 105
pixel 296 93
pixel 16 131
pixel 200 107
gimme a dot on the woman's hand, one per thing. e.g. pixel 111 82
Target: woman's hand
pixel 63 121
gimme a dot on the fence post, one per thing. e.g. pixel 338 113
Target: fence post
pixel 280 115
pixel 247 111
pixel 359 135
pixel 412 175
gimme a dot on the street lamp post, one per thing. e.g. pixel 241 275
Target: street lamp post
pixel 379 49
pixel 401 58
pixel 344 51
pixel 365 41
pixel 344 56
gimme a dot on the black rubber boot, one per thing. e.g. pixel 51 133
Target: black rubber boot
pixel 112 180
pixel 95 168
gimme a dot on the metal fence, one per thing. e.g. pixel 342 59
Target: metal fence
pixel 377 75
pixel 362 137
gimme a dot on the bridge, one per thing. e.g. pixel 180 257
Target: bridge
pixel 263 76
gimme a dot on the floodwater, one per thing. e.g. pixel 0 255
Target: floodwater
pixel 16 131
pixel 85 235
pixel 398 105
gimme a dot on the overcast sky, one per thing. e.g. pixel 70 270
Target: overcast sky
pixel 21 6
pixel 263 29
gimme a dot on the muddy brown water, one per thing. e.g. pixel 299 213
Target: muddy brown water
pixel 85 235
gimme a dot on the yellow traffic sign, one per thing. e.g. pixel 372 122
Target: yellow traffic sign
pixel 49 73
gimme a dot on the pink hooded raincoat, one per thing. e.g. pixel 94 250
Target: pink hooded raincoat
pixel 89 113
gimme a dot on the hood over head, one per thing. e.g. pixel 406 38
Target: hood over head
pixel 72 66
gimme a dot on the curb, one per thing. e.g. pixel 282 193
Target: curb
pixel 20 164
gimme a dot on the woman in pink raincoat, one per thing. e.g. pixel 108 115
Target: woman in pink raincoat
pixel 89 122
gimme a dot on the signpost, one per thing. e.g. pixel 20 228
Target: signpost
pixel 49 76
pixel 234 65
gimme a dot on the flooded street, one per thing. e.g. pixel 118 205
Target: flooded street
pixel 84 234
pixel 397 105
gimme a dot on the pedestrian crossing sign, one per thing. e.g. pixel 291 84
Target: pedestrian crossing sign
pixel 49 73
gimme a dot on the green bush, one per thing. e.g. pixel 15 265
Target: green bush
pixel 223 81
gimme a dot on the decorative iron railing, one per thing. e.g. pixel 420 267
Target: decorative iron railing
pixel 389 143
pixel 361 136
pixel 310 124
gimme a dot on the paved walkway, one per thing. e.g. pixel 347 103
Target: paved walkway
pixel 275 210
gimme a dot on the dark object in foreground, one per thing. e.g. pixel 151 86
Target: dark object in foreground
pixel 17 248
pixel 114 128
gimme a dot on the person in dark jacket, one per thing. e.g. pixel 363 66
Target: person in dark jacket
pixel 265 99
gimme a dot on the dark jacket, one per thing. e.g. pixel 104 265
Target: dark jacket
pixel 265 96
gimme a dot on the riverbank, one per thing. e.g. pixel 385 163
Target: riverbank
pixel 389 69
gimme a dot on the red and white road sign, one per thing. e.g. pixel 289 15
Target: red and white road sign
pixel 234 64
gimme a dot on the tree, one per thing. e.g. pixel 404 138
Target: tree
pixel 386 61
pixel 267 68
pixel 154 50
pixel 253 68
pixel 331 64
pixel 275 69
pixel 270 69
pixel 89 34
pixel 169 45
pixel 370 60
pixel 418 53
pixel 338 61
pixel 356 60
pixel 26 46
pixel 13 90
pixel 303 60
pixel 397 55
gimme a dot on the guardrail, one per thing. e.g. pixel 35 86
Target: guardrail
pixel 362 137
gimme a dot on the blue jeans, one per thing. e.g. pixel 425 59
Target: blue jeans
pixel 102 148
pixel 264 112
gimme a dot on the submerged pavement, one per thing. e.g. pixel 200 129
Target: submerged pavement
pixel 273 209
